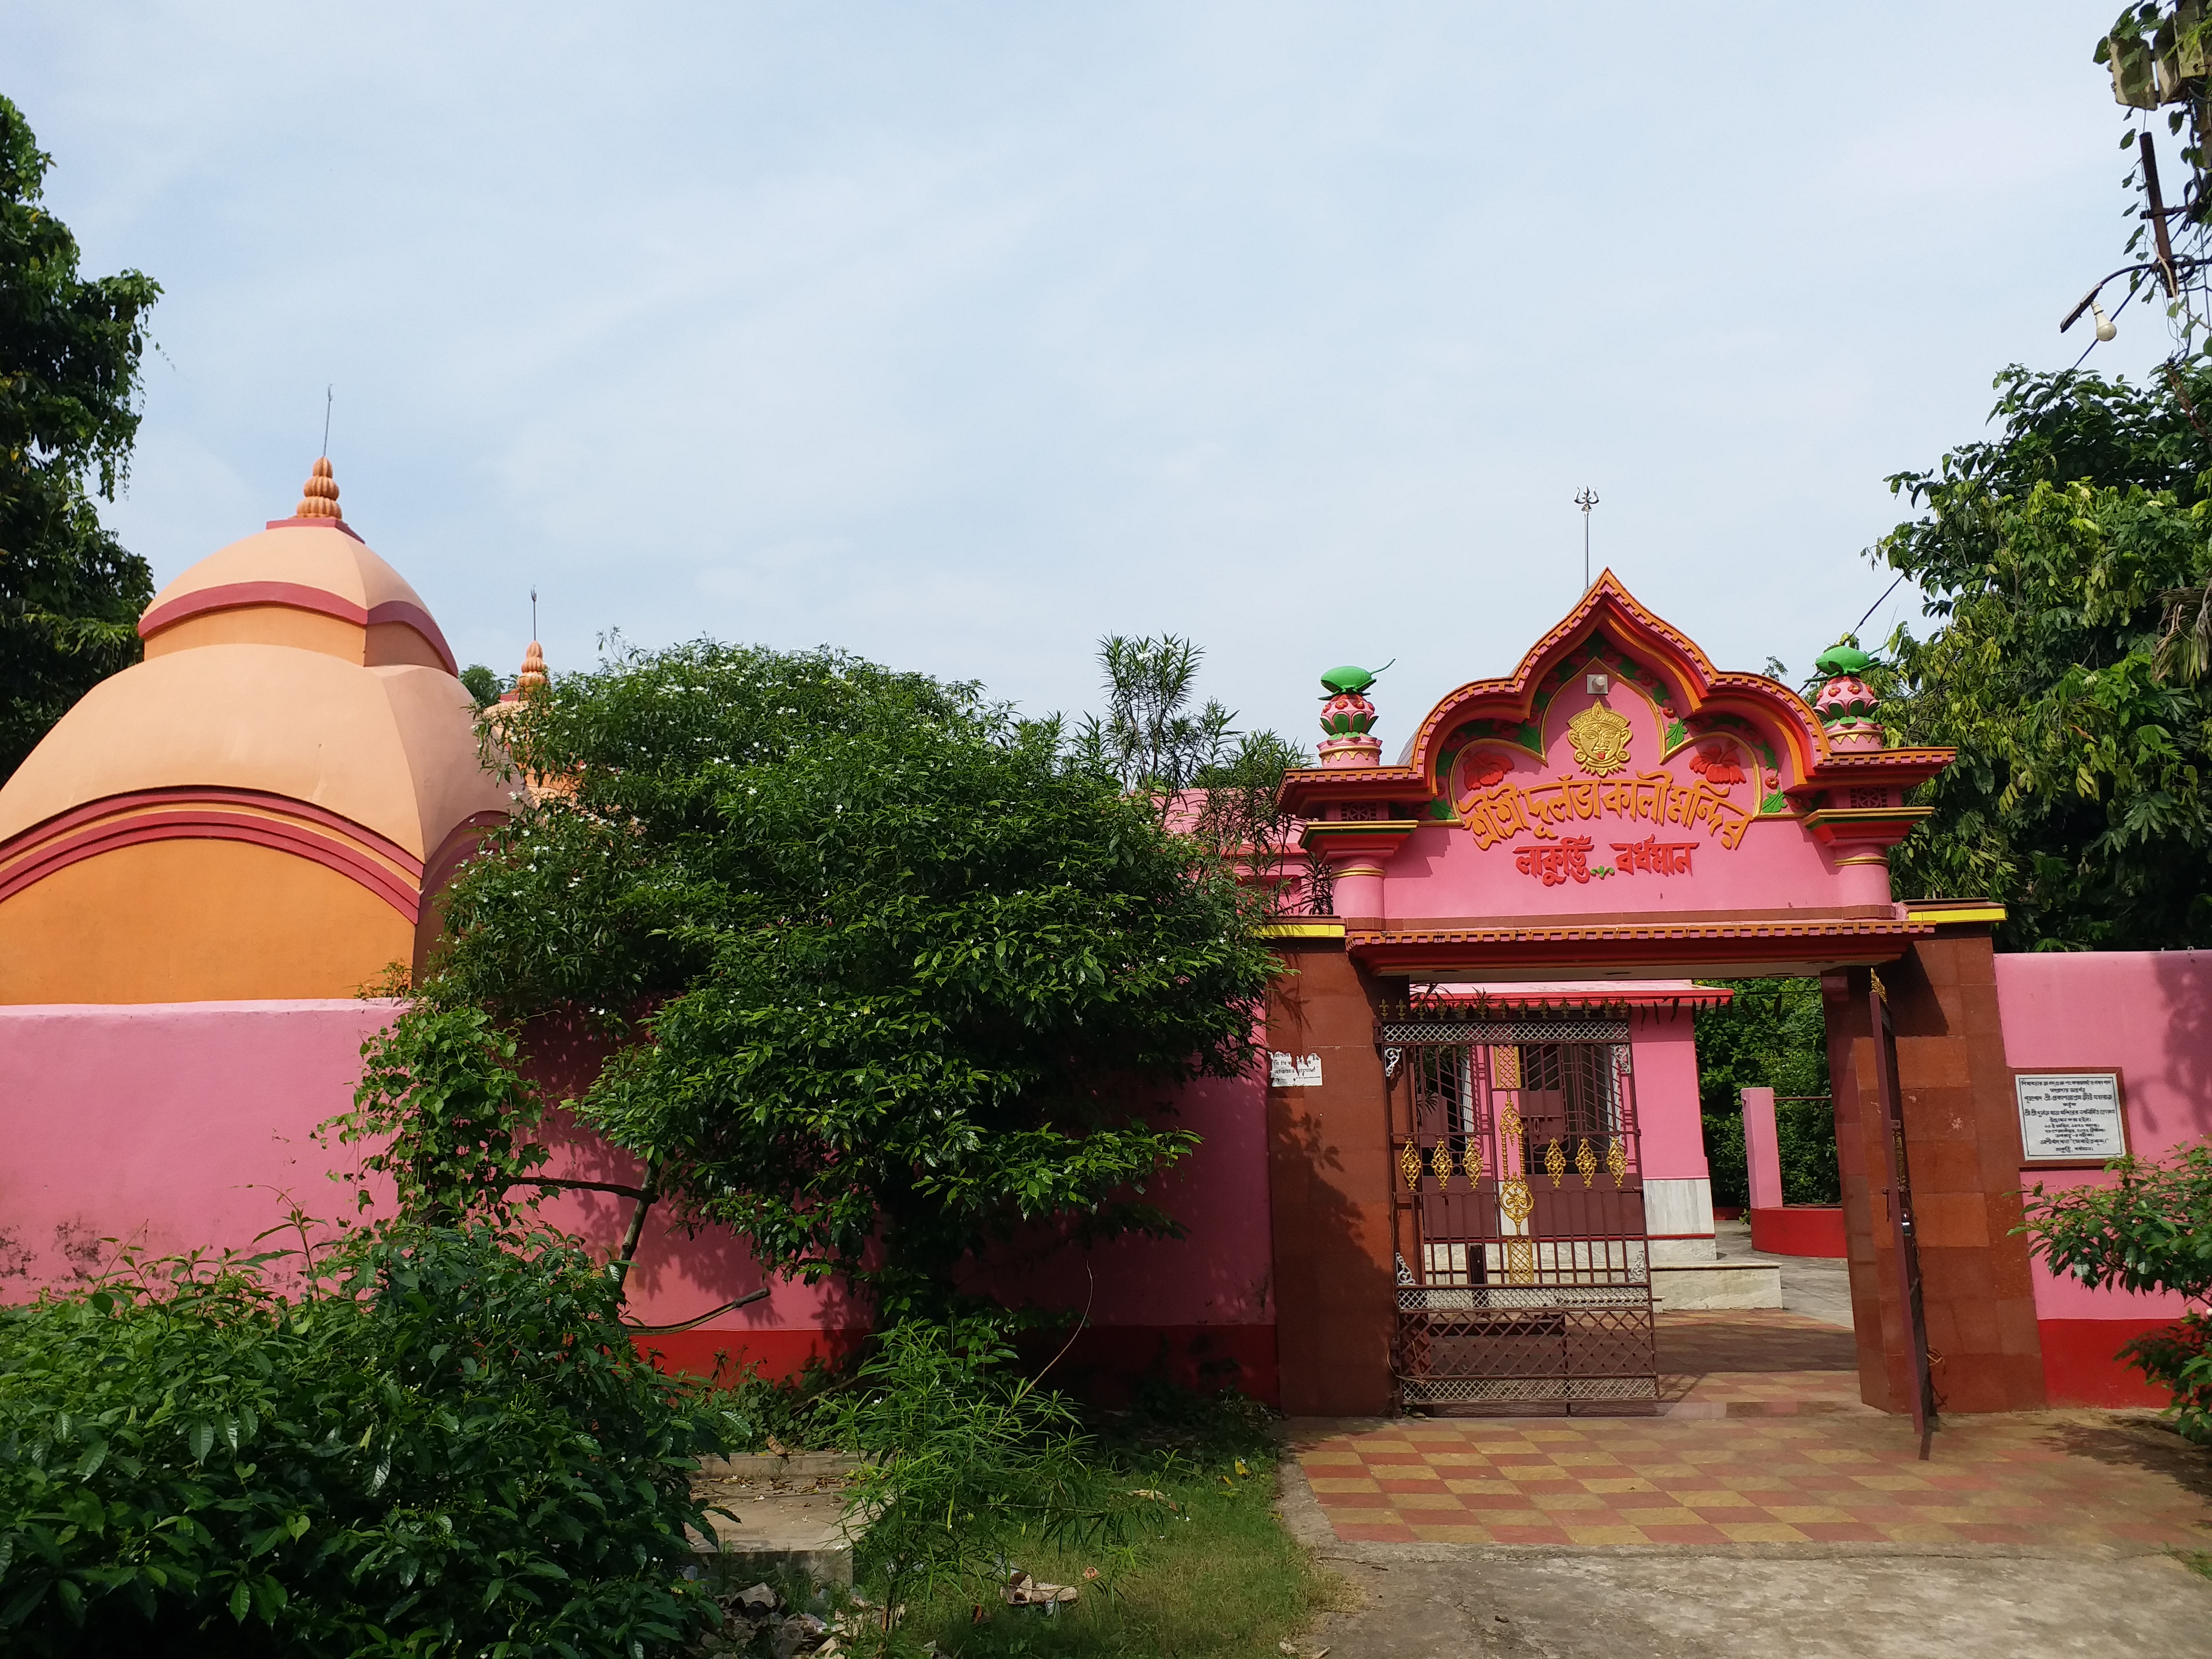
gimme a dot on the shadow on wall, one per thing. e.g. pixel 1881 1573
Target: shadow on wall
pixel 678 1274
pixel 2185 979
pixel 1330 1185
pixel 1196 1310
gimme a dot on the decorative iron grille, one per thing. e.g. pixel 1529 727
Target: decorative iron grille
pixel 1535 1027
pixel 1526 1269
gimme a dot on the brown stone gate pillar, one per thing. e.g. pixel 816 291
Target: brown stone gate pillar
pixel 1962 1151
pixel 1329 1161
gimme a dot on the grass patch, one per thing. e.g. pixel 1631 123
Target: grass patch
pixel 1215 1576
pixel 1206 1571
pixel 2197 1561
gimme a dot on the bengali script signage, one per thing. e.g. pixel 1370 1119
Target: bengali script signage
pixel 1503 810
pixel 1568 859
pixel 2070 1117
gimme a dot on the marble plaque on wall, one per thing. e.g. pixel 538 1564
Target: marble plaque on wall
pixel 2070 1117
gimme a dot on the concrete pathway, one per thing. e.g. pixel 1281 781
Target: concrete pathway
pixel 1764 1513
pixel 1812 1286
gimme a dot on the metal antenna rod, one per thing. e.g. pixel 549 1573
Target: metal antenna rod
pixel 1586 500
pixel 330 394
pixel 533 613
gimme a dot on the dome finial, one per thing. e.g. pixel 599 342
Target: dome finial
pixel 533 678
pixel 319 497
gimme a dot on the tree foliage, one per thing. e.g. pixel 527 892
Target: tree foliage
pixel 69 350
pixel 446 1445
pixel 1772 1034
pixel 2050 555
pixel 1221 786
pixel 483 685
pixel 2149 1230
pixel 891 975
pixel 1152 737
pixel 447 1117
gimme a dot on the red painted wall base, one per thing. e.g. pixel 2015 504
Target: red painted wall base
pixel 1800 1230
pixel 1101 1364
pixel 2078 1367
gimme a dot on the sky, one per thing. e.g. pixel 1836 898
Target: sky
pixel 960 335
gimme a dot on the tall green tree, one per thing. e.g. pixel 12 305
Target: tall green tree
pixel 2051 556
pixel 69 350
pixel 1772 1034
pixel 887 975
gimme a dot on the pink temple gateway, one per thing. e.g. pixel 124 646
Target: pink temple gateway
pixel 1472 1174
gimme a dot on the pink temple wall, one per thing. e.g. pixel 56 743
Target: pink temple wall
pixel 190 1126
pixel 1672 1134
pixel 168 1127
pixel 2146 1015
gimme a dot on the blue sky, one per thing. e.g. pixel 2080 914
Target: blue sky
pixel 958 335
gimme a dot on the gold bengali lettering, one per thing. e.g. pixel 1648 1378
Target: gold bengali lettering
pixel 1501 812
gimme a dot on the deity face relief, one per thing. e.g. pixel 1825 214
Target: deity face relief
pixel 1600 736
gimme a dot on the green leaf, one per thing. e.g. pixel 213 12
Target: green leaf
pixel 241 1601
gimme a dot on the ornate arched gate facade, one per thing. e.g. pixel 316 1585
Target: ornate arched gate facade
pixel 1465 1214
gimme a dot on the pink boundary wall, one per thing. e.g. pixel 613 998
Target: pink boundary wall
pixel 1762 1149
pixel 2146 1015
pixel 176 1126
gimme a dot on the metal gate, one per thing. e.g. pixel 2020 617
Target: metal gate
pixel 1523 1269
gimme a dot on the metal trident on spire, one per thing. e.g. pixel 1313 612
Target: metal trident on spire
pixel 1586 500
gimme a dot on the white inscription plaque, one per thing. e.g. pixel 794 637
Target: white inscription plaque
pixel 2071 1115
pixel 1294 1071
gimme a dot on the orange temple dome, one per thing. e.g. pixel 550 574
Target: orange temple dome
pixel 267 805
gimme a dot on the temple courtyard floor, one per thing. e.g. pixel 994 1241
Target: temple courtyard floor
pixel 1764 1512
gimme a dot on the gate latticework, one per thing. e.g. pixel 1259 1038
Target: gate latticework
pixel 1524 1268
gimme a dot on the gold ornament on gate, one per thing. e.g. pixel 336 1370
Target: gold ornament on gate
pixel 1409 1164
pixel 1470 1160
pixel 1504 1066
pixel 1600 736
pixel 1509 1122
pixel 1515 1198
pixel 1586 1164
pixel 1520 1262
pixel 1440 1162
pixel 1616 1158
pixel 1555 1161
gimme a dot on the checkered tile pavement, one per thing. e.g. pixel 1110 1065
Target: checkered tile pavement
pixel 1778 1456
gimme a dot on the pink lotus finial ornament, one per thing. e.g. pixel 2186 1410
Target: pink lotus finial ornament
pixel 1846 703
pixel 319 497
pixel 1347 719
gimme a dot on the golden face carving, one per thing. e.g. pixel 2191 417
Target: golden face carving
pixel 1600 736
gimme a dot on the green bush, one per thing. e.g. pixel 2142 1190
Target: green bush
pixel 2149 1230
pixel 446 1444
pixel 967 1462
pixel 2178 1359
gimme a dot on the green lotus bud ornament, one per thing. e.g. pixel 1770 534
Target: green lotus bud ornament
pixel 1840 660
pixel 1350 680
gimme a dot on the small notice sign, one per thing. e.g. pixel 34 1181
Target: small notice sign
pixel 1294 1070
pixel 2070 1117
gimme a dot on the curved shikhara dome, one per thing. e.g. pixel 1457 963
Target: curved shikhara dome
pixel 266 805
